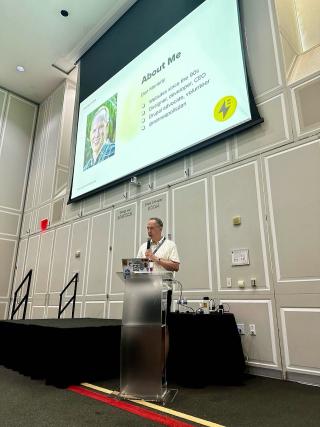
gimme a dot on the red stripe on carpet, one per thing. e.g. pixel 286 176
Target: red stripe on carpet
pixel 129 407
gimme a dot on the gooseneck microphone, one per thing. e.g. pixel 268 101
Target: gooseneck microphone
pixel 148 244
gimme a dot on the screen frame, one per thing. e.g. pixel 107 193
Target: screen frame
pixel 255 120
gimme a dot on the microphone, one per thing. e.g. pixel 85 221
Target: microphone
pixel 148 248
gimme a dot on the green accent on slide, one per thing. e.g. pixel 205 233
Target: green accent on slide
pixel 131 115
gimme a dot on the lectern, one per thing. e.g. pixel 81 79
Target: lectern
pixel 143 336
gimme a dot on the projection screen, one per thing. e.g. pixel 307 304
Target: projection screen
pixel 186 90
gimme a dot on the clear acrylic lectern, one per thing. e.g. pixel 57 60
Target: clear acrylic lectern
pixel 143 336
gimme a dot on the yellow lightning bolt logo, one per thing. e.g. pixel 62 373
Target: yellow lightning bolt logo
pixel 225 108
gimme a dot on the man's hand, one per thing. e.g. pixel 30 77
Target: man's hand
pixel 165 263
pixel 150 255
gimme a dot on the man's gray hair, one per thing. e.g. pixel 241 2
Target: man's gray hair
pixel 158 221
pixel 102 113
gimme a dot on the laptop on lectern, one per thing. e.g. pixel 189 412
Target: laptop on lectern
pixel 135 265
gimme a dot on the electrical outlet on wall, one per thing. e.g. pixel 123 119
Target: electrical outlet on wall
pixel 252 329
pixel 241 328
pixel 253 282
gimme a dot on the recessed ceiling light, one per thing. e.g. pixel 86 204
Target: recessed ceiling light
pixel 64 13
pixel 20 68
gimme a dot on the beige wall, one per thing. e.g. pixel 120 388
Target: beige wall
pixel 17 124
pixel 268 176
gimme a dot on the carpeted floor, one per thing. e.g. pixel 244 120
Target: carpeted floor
pixel 28 403
pixel 260 402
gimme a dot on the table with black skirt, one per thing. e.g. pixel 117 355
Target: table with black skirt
pixel 204 349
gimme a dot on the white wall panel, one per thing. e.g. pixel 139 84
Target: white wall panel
pixel 154 206
pixel 306 107
pixel 7 253
pixel 115 310
pixel 9 223
pixel 44 261
pixel 72 211
pixel 98 258
pixel 28 311
pixel 52 312
pixel 123 242
pixel 39 296
pixel 26 220
pixel 53 299
pixel 22 250
pixel 32 259
pixel 15 151
pixel 294 203
pixel 38 146
pixel 59 259
pixel 169 174
pixel 3 310
pixel 61 181
pixel 57 211
pixel 191 234
pixel 91 204
pixel 237 193
pixel 115 195
pixel 66 128
pixel 50 157
pixel 272 132
pixel 260 349
pixel 301 336
pixel 3 99
pixel 79 242
pixel 94 309
pixel 32 254
pixel 209 158
pixel 33 225
pixel 38 312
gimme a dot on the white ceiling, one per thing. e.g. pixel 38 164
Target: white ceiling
pixel 308 16
pixel 299 22
pixel 34 34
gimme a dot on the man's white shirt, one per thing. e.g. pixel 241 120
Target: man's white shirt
pixel 167 251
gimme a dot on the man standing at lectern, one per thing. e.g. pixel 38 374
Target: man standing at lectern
pixel 159 249
pixel 164 254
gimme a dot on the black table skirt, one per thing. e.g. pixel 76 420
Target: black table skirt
pixel 64 351
pixel 203 349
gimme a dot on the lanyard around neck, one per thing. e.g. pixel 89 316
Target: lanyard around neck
pixel 159 246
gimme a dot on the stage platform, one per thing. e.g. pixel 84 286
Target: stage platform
pixel 62 351
pixel 204 349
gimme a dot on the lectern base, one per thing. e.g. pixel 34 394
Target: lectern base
pixel 166 397
pixel 143 337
